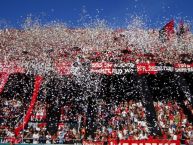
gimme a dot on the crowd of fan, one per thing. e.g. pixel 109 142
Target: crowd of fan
pixel 39 112
pixel 126 120
pixel 188 105
pixel 38 48
pixel 37 45
pixel 172 120
pixel 10 111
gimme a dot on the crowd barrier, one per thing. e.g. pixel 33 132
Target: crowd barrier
pixel 29 141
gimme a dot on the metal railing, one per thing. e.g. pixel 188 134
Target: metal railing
pixel 38 141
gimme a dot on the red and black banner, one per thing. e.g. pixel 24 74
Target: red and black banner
pixel 107 68
pixel 134 142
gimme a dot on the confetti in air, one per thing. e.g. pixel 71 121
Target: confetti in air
pixel 99 83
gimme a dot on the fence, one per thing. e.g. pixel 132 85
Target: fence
pixel 30 141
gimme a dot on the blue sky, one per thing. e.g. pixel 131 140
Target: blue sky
pixel 115 12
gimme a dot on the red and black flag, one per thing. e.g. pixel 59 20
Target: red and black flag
pixel 166 32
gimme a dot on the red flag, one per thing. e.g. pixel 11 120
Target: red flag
pixel 167 31
pixel 169 27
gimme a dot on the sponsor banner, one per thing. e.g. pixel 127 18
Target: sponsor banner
pixel 145 142
pixel 93 143
pixel 102 68
pixel 144 68
pixel 123 68
pixel 179 67
pixel 63 68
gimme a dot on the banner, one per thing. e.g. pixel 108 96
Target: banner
pixel 183 67
pixel 145 142
pixel 102 68
pixel 108 68
pixel 123 68
pixel 93 143
pixel 164 68
pixel 144 68
pixel 134 142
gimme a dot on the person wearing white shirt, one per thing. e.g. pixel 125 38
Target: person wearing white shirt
pixel 120 135
pixel 35 138
pixel 48 139
pixel 142 136
pixel 124 113
pixel 174 137
pixel 9 133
